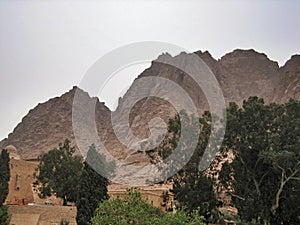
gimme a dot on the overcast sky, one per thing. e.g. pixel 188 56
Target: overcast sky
pixel 47 46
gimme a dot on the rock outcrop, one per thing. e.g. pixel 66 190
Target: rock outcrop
pixel 47 125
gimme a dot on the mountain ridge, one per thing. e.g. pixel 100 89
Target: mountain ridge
pixel 240 73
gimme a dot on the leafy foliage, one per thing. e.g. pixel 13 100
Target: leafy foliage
pixel 265 140
pixel 264 176
pixel 59 172
pixel 195 192
pixel 175 148
pixel 92 190
pixel 69 177
pixel 4 218
pixel 4 179
pixel 192 189
pixel 4 175
pixel 132 209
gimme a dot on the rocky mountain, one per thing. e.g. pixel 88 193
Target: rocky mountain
pixel 241 73
pixel 47 125
pixel 289 86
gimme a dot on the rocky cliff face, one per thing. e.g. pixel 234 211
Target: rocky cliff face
pixel 241 73
pixel 289 86
pixel 248 73
pixel 48 124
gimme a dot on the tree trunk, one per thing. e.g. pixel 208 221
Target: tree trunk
pixel 65 201
pixel 277 198
pixel 266 221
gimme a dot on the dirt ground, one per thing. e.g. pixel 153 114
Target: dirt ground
pixel 41 215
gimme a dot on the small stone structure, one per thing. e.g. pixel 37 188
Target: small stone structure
pixel 153 194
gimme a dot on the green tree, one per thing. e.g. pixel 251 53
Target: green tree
pixel 4 180
pixel 4 218
pixel 181 141
pixel 69 177
pixel 195 192
pixel 92 190
pixel 131 208
pixel 191 187
pixel 265 141
pixel 4 175
pixel 59 173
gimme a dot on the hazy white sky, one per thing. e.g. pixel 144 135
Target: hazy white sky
pixel 47 46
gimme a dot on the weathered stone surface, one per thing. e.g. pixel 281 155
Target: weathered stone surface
pixel 289 86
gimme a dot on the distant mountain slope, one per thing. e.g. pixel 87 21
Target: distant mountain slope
pixel 47 125
pixel 241 73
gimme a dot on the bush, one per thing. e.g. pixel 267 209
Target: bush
pixel 4 218
pixel 132 209
pixel 64 221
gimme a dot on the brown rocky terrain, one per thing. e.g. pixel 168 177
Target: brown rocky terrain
pixel 241 73
pixel 47 125
pixel 289 86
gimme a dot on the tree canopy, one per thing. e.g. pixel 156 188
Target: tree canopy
pixel 59 173
pixel 266 169
pixel 4 180
pixel 92 190
pixel 4 175
pixel 192 189
pixel 69 177
pixel 131 208
pixel 264 177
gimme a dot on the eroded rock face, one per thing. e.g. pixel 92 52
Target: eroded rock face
pixel 289 86
pixel 248 73
pixel 47 125
pixel 241 74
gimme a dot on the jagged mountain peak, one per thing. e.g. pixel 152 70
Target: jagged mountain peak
pixel 293 61
pixel 244 53
pixel 241 73
pixel 206 53
pixel 47 124
pixel 249 56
